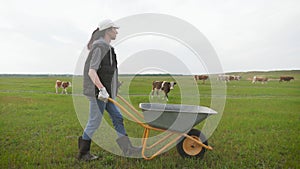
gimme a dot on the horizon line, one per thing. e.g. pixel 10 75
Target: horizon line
pixel 175 74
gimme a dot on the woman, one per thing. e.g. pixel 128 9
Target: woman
pixel 100 83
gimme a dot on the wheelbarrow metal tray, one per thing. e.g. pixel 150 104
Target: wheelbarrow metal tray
pixel 174 117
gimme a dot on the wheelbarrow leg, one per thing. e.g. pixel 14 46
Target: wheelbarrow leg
pixel 145 137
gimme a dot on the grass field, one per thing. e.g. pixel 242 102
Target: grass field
pixel 259 127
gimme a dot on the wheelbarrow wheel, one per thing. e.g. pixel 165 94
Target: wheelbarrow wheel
pixel 188 148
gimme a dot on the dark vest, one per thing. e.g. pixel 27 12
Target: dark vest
pixel 105 72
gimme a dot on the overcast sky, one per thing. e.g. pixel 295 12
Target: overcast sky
pixel 47 36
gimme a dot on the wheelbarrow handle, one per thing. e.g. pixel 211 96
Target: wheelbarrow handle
pixel 131 107
pixel 126 112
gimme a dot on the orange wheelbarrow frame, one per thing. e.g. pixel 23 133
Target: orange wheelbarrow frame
pixel 147 129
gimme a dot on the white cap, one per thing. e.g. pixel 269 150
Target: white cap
pixel 107 23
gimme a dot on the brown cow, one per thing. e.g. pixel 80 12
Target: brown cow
pixel 286 78
pixel 260 79
pixel 201 77
pixel 64 85
pixel 164 86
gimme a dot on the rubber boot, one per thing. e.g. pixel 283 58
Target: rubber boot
pixel 84 150
pixel 127 148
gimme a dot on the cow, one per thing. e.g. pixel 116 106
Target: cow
pixel 260 79
pixel 63 85
pixel 164 86
pixel 225 78
pixel 201 77
pixel 286 78
pixel 237 78
pixel 228 78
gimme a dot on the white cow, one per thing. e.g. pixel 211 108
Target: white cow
pixel 260 79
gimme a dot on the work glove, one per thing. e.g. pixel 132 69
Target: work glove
pixel 103 95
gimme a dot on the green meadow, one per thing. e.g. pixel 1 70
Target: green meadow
pixel 259 127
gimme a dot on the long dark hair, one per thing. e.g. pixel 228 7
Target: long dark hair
pixel 95 35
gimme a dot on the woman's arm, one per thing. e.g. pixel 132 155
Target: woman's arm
pixel 94 77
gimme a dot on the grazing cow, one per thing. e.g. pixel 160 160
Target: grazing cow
pixel 162 86
pixel 286 78
pixel 237 78
pixel 231 77
pixel 63 85
pixel 260 79
pixel 228 78
pixel 225 78
pixel 201 77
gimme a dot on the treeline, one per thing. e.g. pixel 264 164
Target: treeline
pixel 35 75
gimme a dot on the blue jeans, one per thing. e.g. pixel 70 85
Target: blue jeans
pixel 96 112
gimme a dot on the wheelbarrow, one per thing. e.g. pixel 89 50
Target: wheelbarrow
pixel 175 119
